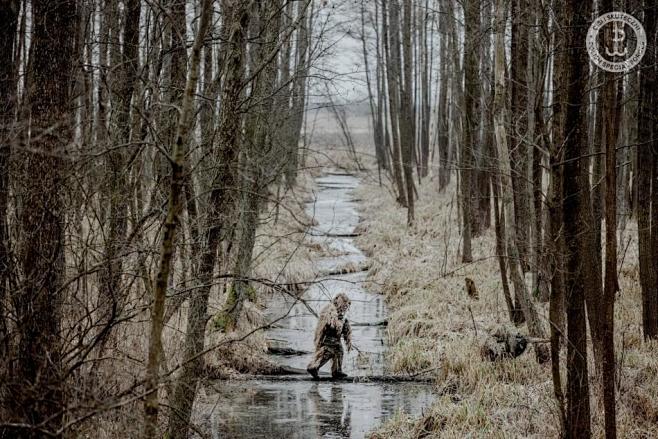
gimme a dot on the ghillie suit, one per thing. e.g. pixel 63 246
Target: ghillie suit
pixel 471 289
pixel 503 342
pixel 332 326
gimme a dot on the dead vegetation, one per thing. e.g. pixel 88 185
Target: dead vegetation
pixel 282 265
pixel 434 324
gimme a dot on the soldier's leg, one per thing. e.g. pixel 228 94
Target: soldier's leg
pixel 320 358
pixel 337 363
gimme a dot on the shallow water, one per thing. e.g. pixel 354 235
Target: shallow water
pixel 307 409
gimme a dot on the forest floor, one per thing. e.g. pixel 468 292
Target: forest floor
pixel 434 324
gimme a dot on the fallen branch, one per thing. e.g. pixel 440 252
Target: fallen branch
pixel 346 270
pixel 380 323
pixel 280 371
pixel 341 174
pixel 336 235
pixel 335 186
pixel 350 379
pixel 538 340
pixel 272 350
pixel 424 371
pixel 285 373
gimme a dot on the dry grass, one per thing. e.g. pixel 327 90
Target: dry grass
pixel 282 260
pixel 283 256
pixel 433 323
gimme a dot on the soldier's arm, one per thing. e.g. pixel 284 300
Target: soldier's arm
pixel 327 318
pixel 319 333
pixel 319 329
pixel 347 334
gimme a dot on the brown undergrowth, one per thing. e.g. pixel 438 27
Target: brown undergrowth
pixel 282 264
pixel 434 324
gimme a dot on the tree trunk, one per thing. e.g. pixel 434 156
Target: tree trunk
pixel 38 384
pixel 260 151
pixel 299 89
pixel 174 208
pixel 554 238
pixel 485 166
pixel 456 90
pixel 471 104
pixel 611 117
pixel 516 273
pixel 407 115
pixel 374 106
pixel 499 225
pixel 645 167
pixel 221 202
pixel 443 125
pixel 392 49
pixel 576 205
pixel 540 47
pixel 111 298
pixel 380 121
pixel 426 90
pixel 519 142
pixel 8 97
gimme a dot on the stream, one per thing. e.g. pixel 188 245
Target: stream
pixel 320 409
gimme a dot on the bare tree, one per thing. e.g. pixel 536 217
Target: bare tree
pixel 471 104
pixel 38 375
pixel 519 141
pixel 575 205
pixel 125 62
pixel 175 206
pixel 391 37
pixel 443 113
pixel 516 272
pixel 299 85
pixel 407 115
pixel 611 113
pixel 555 238
pixel 645 174
pixel 8 100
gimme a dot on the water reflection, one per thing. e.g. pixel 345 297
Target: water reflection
pixel 307 409
pixel 333 413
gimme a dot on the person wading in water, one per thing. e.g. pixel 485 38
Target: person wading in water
pixel 332 326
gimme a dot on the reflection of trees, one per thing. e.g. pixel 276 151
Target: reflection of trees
pixel 256 413
pixel 333 415
pixel 305 409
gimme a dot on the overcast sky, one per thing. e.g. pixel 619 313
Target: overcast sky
pixel 341 54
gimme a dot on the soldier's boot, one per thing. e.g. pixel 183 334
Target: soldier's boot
pixel 314 372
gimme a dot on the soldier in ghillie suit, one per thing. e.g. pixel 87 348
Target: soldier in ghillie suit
pixel 332 326
pixel 503 342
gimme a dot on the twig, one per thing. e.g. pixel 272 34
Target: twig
pixel 473 320
pixel 431 369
